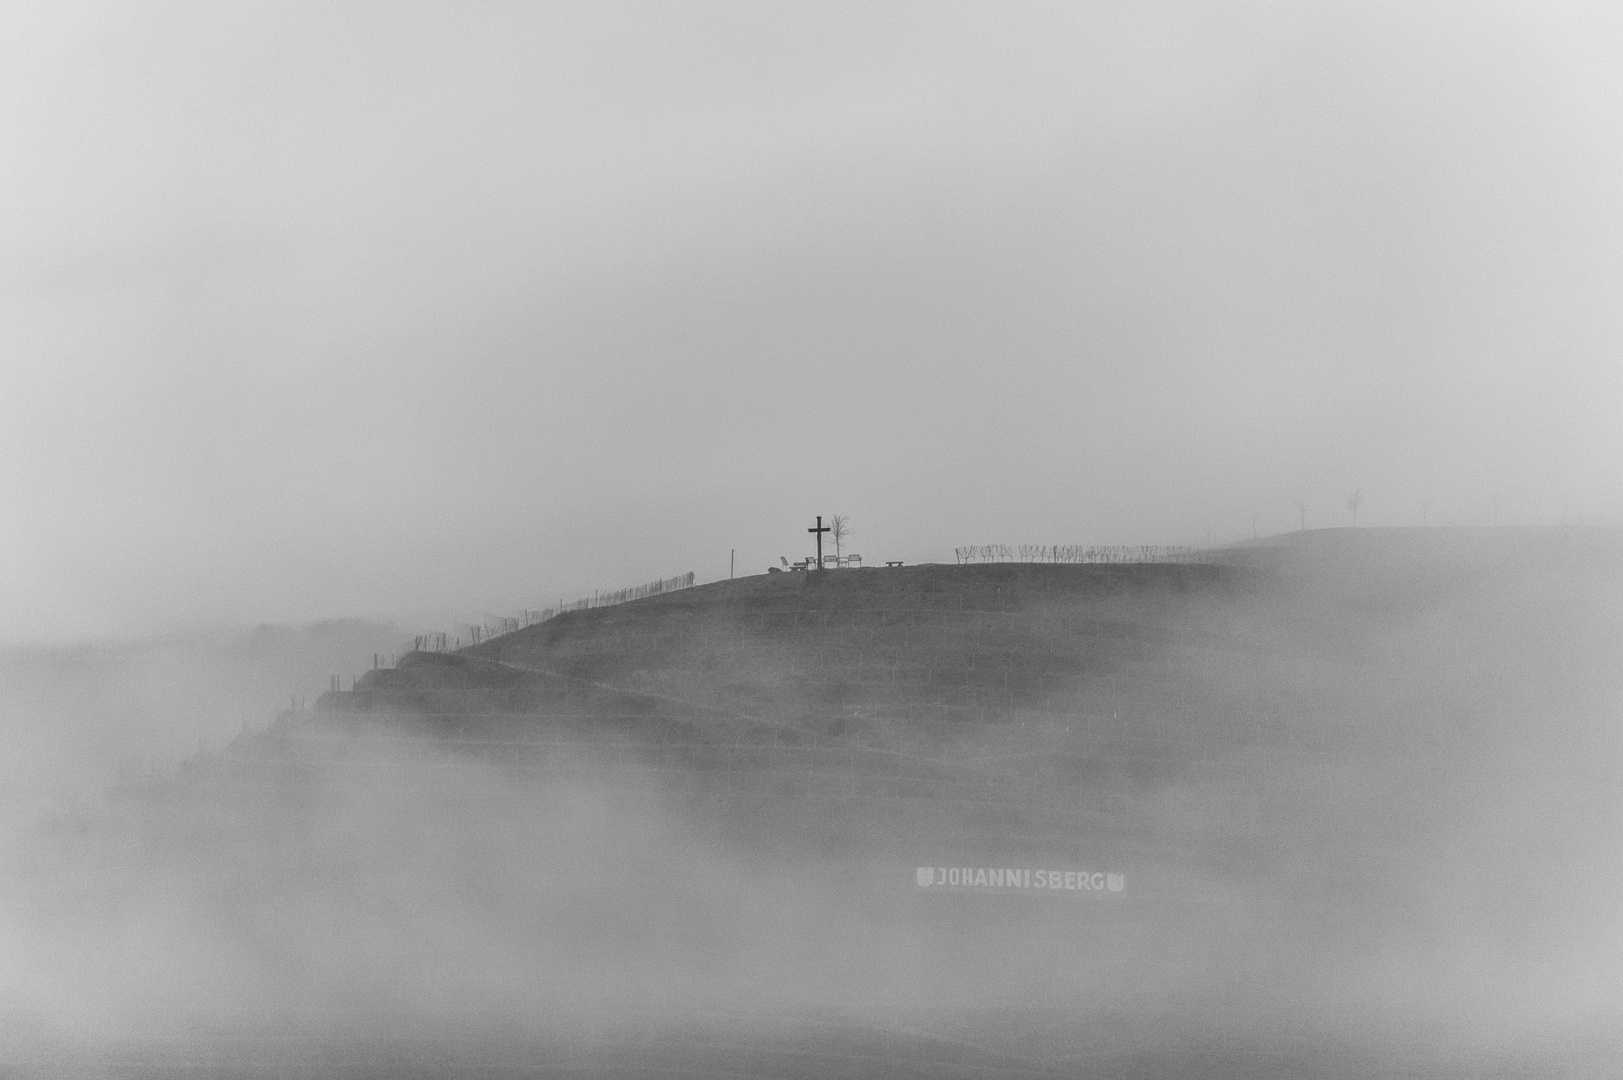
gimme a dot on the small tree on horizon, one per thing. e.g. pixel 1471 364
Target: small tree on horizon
pixel 1301 510
pixel 1354 501
pixel 839 527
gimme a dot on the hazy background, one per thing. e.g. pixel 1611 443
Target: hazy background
pixel 77 720
pixel 427 311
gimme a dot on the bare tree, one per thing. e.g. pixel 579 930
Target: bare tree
pixel 839 527
pixel 1301 511
pixel 1354 501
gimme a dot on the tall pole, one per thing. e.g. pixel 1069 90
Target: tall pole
pixel 732 561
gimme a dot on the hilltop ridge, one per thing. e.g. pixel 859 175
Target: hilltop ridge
pixel 939 650
pixel 833 648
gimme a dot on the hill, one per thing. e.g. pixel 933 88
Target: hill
pixel 1343 802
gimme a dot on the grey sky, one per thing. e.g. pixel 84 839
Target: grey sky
pixel 335 309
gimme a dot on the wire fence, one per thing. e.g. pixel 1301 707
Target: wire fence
pixel 1075 553
pixel 496 626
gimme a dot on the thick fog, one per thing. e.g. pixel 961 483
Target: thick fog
pixel 1400 857
pixel 325 327
pixel 76 720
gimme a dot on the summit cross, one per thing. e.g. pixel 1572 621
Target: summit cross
pixel 819 530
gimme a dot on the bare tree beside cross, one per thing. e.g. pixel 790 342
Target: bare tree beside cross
pixel 839 527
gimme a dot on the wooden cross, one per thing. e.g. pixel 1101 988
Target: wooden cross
pixel 819 530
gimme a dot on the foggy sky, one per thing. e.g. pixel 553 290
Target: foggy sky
pixel 317 310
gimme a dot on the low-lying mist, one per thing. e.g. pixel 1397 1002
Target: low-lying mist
pixel 1395 853
pixel 78 719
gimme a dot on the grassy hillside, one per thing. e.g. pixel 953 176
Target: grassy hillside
pixel 1287 646
pixel 1360 785
pixel 850 650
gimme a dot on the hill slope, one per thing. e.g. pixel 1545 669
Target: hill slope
pixel 1357 790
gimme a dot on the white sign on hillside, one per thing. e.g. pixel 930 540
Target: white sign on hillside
pixel 1018 881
